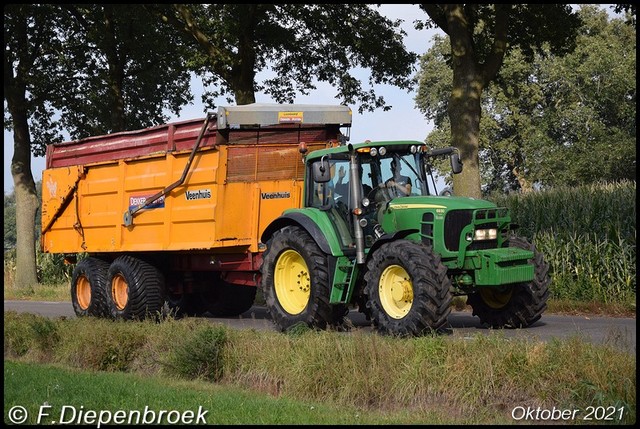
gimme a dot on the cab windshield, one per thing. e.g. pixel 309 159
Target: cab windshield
pixel 396 174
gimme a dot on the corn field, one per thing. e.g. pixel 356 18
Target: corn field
pixel 588 236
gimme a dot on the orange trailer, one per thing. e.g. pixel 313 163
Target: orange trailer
pixel 172 215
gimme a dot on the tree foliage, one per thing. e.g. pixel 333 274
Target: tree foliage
pixel 10 233
pixel 481 36
pixel 556 120
pixel 296 46
pixel 587 118
pixel 84 70
pixel 122 70
pixel 9 221
pixel 629 11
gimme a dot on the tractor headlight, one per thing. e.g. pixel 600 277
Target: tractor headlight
pixel 365 202
pixel 486 234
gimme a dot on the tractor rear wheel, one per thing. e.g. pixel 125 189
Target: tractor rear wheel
pixel 295 281
pixel 515 305
pixel 89 287
pixel 408 289
pixel 135 289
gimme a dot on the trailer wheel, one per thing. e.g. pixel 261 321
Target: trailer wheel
pixel 136 289
pixel 89 287
pixel 408 289
pixel 516 305
pixel 181 305
pixel 295 281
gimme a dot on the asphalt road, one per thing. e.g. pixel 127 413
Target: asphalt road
pixel 618 332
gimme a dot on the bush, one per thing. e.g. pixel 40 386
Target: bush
pixel 201 355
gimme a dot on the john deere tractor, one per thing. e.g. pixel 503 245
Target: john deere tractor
pixel 373 233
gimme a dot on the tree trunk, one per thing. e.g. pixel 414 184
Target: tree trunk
pixel 26 203
pixel 464 114
pixel 245 96
pixel 464 104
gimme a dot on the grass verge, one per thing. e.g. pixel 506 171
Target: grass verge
pixel 56 395
pixel 436 380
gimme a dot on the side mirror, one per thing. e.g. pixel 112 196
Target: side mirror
pixel 456 164
pixel 321 171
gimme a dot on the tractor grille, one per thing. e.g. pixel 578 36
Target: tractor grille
pixel 453 224
pixel 455 221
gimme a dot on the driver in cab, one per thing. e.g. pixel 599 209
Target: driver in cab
pixel 398 185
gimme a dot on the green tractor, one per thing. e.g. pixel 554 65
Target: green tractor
pixel 373 233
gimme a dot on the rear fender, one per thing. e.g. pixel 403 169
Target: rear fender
pixel 315 222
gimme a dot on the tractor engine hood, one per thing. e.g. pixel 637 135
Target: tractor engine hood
pixel 407 212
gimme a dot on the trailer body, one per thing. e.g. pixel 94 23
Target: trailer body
pixel 190 196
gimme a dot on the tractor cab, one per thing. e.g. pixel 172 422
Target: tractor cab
pixel 354 184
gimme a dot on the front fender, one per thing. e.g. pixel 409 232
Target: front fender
pixel 386 238
pixel 315 222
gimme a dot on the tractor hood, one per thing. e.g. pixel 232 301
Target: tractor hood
pixel 406 213
pixel 447 203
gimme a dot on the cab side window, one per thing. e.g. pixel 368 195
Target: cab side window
pixel 326 195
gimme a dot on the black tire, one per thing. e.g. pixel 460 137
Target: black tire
pixel 136 289
pixel 89 287
pixel 227 299
pixel 516 305
pixel 422 304
pixel 182 305
pixel 297 256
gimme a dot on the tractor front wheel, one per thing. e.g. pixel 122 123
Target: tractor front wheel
pixel 515 305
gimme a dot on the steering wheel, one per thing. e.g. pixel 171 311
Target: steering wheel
pixel 379 194
pixel 342 208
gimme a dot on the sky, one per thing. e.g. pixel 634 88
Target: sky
pixel 403 122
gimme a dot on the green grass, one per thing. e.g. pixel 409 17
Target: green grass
pixel 69 396
pixel 436 380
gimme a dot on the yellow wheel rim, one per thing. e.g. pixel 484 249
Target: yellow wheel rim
pixel 292 282
pixel 120 291
pixel 396 291
pixel 83 292
pixel 495 298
